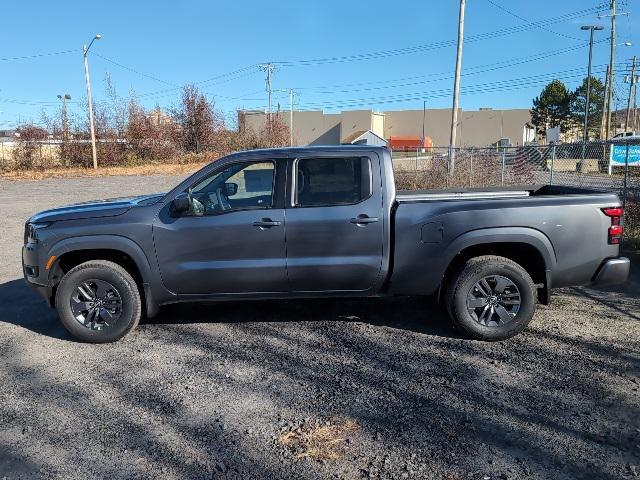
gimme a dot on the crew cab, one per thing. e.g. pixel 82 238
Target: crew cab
pixel 321 222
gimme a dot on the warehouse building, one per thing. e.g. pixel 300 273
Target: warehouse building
pixel 479 128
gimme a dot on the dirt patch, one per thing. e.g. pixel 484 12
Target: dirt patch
pixel 319 440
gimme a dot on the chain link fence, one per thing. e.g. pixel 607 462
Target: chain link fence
pixel 604 166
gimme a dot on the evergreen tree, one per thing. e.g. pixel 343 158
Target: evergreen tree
pixel 596 102
pixel 552 108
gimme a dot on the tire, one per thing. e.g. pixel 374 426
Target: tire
pixel 500 317
pixel 111 295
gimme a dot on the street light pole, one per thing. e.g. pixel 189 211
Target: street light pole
pixel 85 52
pixel 291 93
pixel 585 134
pixel 65 120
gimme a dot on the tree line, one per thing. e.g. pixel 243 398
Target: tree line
pixel 557 106
pixel 127 133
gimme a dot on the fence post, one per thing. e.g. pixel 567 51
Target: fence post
pixel 626 175
pixel 553 161
pixel 416 180
pixel 471 168
pixel 446 177
pixel 503 166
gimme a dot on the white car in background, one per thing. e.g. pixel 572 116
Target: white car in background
pixel 626 136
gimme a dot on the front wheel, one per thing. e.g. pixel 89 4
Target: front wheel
pixel 98 302
pixel 491 298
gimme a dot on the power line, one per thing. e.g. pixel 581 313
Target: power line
pixel 509 12
pixel 39 55
pixel 135 71
pixel 225 78
pixel 488 67
pixel 437 45
pixel 443 76
pixel 503 85
pixel 28 102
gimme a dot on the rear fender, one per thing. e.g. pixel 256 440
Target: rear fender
pixel 506 235
pixel 492 236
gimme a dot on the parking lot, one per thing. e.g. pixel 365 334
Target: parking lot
pixel 208 391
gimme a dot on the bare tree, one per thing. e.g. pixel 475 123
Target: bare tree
pixel 151 135
pixel 117 107
pixel 272 134
pixel 28 153
pixel 199 125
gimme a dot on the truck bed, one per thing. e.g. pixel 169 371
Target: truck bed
pixel 565 223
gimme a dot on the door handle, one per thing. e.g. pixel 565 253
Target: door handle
pixel 266 223
pixel 363 220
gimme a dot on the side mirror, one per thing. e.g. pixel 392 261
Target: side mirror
pixel 230 189
pixel 182 203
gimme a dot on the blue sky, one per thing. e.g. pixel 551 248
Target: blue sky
pixel 336 54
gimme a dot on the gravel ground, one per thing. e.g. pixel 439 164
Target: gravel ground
pixel 204 391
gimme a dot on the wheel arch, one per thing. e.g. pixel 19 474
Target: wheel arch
pixel 71 252
pixel 528 247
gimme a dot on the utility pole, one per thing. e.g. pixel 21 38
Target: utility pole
pixel 456 89
pixel 291 94
pixel 632 82
pixel 635 106
pixel 585 133
pixel 269 69
pixel 85 52
pixel 610 75
pixel 603 123
pixel 612 57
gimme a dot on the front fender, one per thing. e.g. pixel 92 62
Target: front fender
pixel 154 292
pixel 107 242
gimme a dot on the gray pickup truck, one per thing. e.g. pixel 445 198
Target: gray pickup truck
pixel 320 222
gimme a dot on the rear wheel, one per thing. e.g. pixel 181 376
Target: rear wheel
pixel 98 302
pixel 491 298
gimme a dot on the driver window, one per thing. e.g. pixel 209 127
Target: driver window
pixel 240 186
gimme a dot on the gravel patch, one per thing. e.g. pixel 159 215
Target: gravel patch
pixel 211 390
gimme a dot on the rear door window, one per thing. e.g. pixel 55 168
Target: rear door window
pixel 331 181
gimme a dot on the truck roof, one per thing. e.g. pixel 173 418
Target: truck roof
pixel 311 149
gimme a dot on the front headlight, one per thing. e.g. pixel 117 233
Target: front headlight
pixel 31 231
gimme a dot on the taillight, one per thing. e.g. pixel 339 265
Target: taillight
pixel 615 234
pixel 613 211
pixel 616 229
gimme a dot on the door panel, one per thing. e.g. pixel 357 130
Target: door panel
pixel 335 247
pixel 222 253
pixel 232 239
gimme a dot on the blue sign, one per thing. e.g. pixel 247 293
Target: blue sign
pixel 618 155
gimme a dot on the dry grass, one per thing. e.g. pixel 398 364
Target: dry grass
pixel 319 441
pixel 135 170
